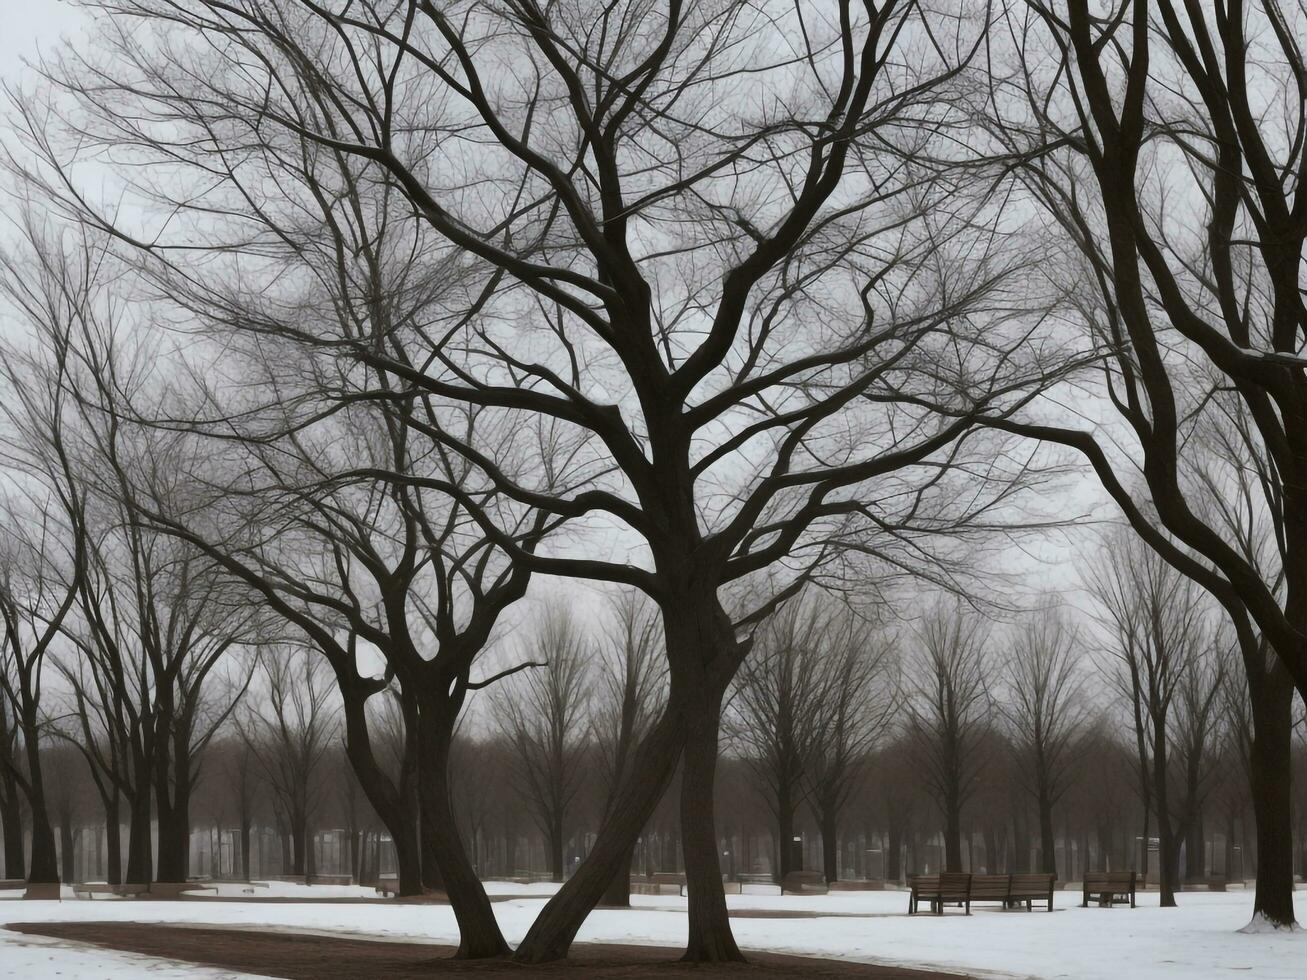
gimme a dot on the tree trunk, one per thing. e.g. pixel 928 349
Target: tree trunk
pixel 555 843
pixel 245 848
pixel 710 938
pixel 174 829
pixel 618 894
pixel 12 816
pixel 479 933
pixel 396 808
pixel 893 865
pixel 113 841
pixel 44 866
pixel 1168 846
pixel 432 879
pixel 1269 768
pixel 140 849
pixel 551 935
pixel 784 833
pixel 67 847
pixel 952 834
pixel 830 859
pixel 1047 840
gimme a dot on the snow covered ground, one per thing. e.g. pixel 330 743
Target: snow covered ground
pixel 1200 939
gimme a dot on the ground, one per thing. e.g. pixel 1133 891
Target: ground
pixel 1199 939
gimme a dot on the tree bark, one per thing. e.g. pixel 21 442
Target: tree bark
pixel 12 816
pixel 952 834
pixel 67 847
pixel 710 938
pixel 479 933
pixel 618 894
pixel 551 935
pixel 1167 843
pixel 830 855
pixel 396 808
pixel 113 841
pixel 1047 839
pixel 784 833
pixel 140 849
pixel 1270 762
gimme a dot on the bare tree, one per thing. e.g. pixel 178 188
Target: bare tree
pixel 1111 115
pixel 948 705
pixel 290 725
pixel 630 687
pixel 855 706
pixel 1157 618
pixel 542 713
pixel 1046 708
pixel 774 713
pixel 626 282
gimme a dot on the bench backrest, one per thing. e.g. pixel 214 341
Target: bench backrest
pixel 1109 879
pixel 1039 884
pixel 667 878
pixel 954 883
pixel 990 886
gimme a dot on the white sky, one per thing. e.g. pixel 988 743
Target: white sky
pixel 31 26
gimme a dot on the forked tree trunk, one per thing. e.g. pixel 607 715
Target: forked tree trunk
pixel 1270 762
pixel 479 933
pixel 553 930
pixel 397 808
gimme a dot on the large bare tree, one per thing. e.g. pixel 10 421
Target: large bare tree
pixel 749 310
pixel 1112 115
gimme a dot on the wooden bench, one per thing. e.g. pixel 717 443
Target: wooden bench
pixel 991 888
pixel 1109 886
pixel 938 889
pixel 1031 888
pixel 804 883
pixel 667 883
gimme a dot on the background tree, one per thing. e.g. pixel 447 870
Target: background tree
pixel 948 702
pixel 1046 706
pixel 1158 618
pixel 542 713
pixel 289 724
pixel 630 682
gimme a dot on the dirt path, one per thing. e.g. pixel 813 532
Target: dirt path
pixel 314 957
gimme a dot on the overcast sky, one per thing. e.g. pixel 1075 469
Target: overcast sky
pixel 29 26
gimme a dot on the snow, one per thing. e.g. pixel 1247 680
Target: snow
pixel 1202 938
